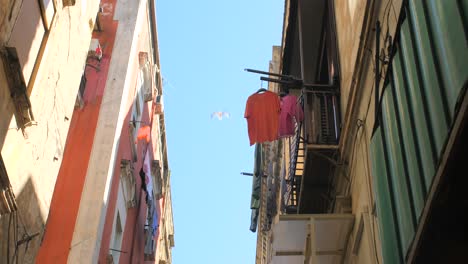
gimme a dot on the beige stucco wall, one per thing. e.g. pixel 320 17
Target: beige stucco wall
pixel 357 73
pixel 33 163
pixel 349 18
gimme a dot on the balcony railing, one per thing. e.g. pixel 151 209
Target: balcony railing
pixel 314 144
pixel 296 167
pixel 321 118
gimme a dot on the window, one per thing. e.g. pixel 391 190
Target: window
pixel 48 11
pixel 28 35
pixel 116 240
pixel 127 180
pixel 151 228
pixel 156 172
pixel 97 24
pixel 135 119
pixel 147 76
pixel 157 84
pixel 80 97
pixel 16 83
pixel 159 105
pixel 138 97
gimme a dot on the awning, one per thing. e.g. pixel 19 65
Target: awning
pixel 320 238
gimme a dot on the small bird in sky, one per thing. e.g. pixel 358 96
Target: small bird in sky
pixel 220 115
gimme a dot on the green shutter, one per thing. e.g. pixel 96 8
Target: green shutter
pixel 417 106
pixel 416 186
pixel 385 210
pixel 397 171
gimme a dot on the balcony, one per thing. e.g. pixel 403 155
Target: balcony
pixel 311 238
pixel 313 151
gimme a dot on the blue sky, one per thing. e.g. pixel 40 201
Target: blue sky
pixel 204 48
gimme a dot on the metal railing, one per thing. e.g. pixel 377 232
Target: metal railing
pixel 293 180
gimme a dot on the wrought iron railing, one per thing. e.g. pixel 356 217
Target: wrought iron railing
pixel 293 180
pixel 322 118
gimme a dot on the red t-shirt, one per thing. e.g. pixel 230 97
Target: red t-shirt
pixel 262 114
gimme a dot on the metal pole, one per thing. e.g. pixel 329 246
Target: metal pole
pixel 267 73
pixel 377 70
pixel 251 174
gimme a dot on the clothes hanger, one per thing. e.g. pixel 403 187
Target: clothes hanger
pixel 284 93
pixel 261 90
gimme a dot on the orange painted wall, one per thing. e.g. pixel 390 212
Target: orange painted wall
pixel 133 241
pixel 70 181
pixel 67 193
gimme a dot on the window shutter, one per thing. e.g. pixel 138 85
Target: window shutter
pixel 128 182
pixel 132 132
pixel 17 85
pixel 156 171
pixel 145 69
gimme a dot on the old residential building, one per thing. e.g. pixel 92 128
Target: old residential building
pixel 43 46
pixel 84 172
pixel 112 201
pixel 374 173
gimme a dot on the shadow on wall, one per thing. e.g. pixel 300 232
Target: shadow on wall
pixel 22 229
pixel 21 27
pixel 6 107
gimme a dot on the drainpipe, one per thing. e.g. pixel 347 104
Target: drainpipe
pixel 377 72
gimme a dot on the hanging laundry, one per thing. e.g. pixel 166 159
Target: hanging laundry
pixel 149 240
pixel 254 220
pixel 257 178
pixel 262 113
pixel 291 113
pixel 144 133
pixel 155 223
pixel 143 182
pixel 148 176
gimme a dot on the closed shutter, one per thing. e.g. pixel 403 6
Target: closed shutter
pixel 427 77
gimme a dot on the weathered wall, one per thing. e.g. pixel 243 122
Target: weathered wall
pixel 94 202
pixel 67 193
pixel 133 240
pixel 33 163
pixel 356 41
pixel 349 19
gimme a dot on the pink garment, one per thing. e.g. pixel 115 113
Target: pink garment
pixel 291 113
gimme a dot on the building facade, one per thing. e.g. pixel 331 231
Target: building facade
pixel 43 46
pixel 374 171
pixel 112 200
